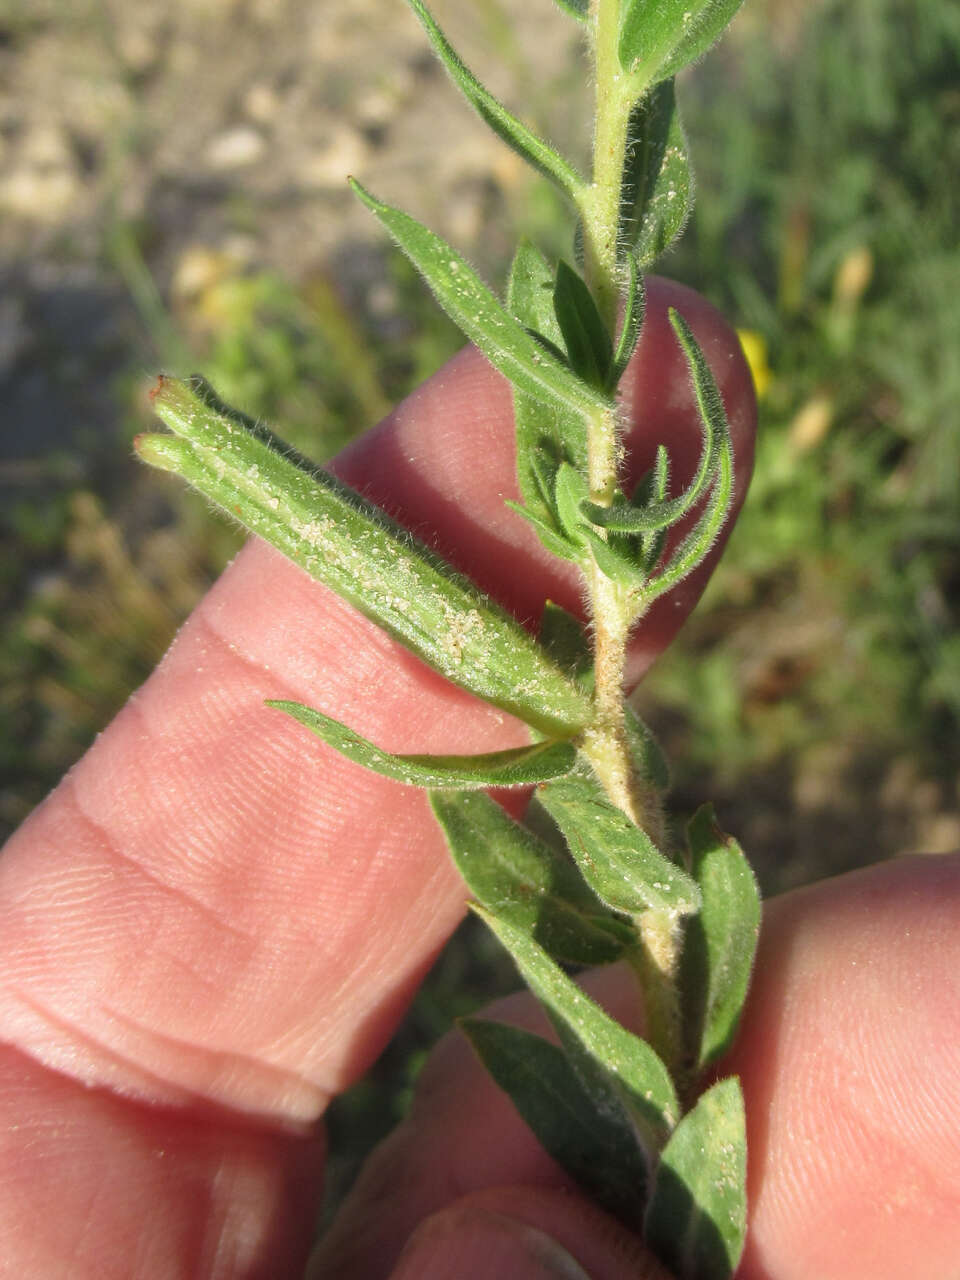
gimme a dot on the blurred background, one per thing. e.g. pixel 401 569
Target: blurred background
pixel 172 196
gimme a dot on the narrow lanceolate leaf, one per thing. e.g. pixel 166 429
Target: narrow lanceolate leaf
pixel 350 546
pixel 657 191
pixel 652 544
pixel 556 542
pixel 564 638
pixel 659 37
pixel 720 941
pixel 705 532
pixel 526 143
pixel 545 428
pixel 516 875
pixel 585 337
pixel 696 1220
pixel 569 493
pixel 617 557
pixel 648 758
pixel 468 301
pixel 634 308
pixel 621 1073
pixel 518 767
pixel 616 857
pixel 595 1148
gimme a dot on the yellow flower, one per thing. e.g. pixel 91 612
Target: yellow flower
pixel 755 350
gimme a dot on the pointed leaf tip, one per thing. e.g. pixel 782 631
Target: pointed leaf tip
pixel 720 941
pixel 517 767
pixel 471 304
pixel 512 131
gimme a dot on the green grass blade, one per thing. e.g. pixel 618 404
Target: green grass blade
pixel 349 545
pixel 527 883
pixel 468 301
pixel 518 767
pixel 514 133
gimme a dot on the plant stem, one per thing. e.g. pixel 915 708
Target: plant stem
pixel 601 206
pixel 655 962
pixel 612 606
pixel 615 608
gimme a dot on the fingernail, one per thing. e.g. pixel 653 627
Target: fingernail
pixel 476 1244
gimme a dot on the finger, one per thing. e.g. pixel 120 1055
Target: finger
pixel 462 1139
pixel 524 1233
pixel 850 1062
pixel 98 1187
pixel 850 1059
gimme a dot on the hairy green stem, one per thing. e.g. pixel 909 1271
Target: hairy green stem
pixel 615 608
pixel 655 962
pixel 601 202
pixel 611 606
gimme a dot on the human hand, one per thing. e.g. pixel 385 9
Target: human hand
pixel 214 924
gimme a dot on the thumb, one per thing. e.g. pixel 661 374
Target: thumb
pixel 525 1233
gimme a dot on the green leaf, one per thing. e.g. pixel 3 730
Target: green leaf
pixel 555 542
pixel 696 1220
pixel 615 555
pixel 633 313
pixel 657 189
pixel 570 491
pixel 720 941
pixel 579 9
pixel 705 532
pixel 652 544
pixel 518 767
pixel 656 516
pixel 519 877
pixel 515 134
pixel 597 1149
pixel 627 518
pixel 349 545
pixel 620 1072
pixel 564 638
pixel 545 429
pixel 468 301
pixel 659 37
pixel 617 858
pixel 530 293
pixel 648 758
pixel 585 336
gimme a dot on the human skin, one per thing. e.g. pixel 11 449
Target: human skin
pixel 213 925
